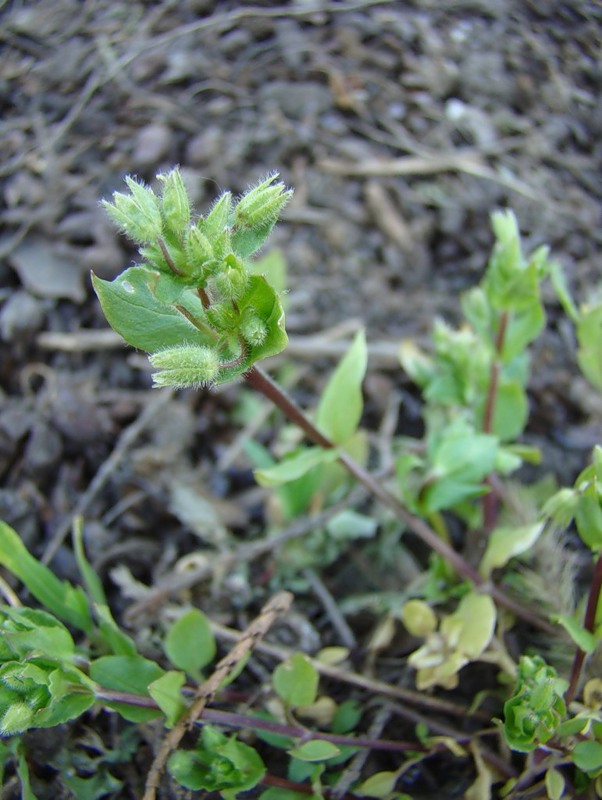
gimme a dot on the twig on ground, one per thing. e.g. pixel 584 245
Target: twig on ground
pixel 245 554
pixel 204 694
pixel 371 685
pixel 339 623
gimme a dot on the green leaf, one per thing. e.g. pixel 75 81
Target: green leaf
pixel 52 641
pixel 506 542
pixel 588 516
pixel 523 328
pixel 477 614
pixel 315 750
pixel 190 643
pixel 23 773
pixel 554 784
pixel 116 640
pixel 536 709
pixel 341 404
pixel 71 694
pixel 349 524
pixel 447 493
pixel 589 337
pixel 583 638
pixel 588 756
pixel 294 467
pixel 165 691
pixel 347 716
pixel 510 411
pixel 217 763
pixel 42 694
pixel 558 279
pixel 92 581
pixel 60 597
pixel 462 452
pixel 296 681
pixel 273 268
pixel 132 674
pixel 286 794
pixel 381 784
pixel 139 305
pixel 265 304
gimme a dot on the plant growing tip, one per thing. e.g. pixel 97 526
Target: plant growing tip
pixel 193 302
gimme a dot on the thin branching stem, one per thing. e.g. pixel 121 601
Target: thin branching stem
pixel 262 383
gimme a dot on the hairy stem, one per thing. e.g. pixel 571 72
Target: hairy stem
pixel 589 623
pixel 262 383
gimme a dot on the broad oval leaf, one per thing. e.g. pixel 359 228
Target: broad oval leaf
pixel 296 681
pixel 190 643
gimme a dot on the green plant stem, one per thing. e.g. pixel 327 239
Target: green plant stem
pixel 589 623
pixel 262 383
pixel 490 500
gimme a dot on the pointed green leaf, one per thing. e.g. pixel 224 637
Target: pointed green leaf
pixel 589 336
pixel 506 542
pixel 341 404
pixel 60 597
pixel 295 467
pixel 381 784
pixel 584 640
pixel 138 306
pixel 315 750
pixel 165 691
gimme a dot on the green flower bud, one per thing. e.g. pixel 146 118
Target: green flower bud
pixel 198 248
pixel 137 214
pixel 174 201
pixel 261 205
pixel 185 365
pixel 230 280
pixel 222 316
pixel 217 219
pixel 253 329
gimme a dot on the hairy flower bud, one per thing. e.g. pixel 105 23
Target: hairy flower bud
pixel 175 204
pixel 198 249
pixel 217 219
pixel 185 365
pixel 138 214
pixel 253 328
pixel 261 205
pixel 231 280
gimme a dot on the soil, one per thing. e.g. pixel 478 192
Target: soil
pixel 401 127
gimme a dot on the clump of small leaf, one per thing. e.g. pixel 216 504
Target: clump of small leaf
pixel 536 709
pixel 193 302
pixel 474 382
pixel 218 762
